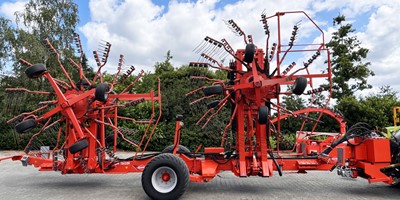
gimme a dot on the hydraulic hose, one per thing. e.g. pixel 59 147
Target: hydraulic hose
pixel 276 163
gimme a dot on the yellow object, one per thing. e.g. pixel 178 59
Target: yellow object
pixel 396 119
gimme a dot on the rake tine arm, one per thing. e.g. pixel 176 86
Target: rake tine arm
pixel 292 39
pixel 202 98
pixel 79 68
pixel 91 135
pixel 220 106
pixel 79 45
pixel 134 82
pixel 121 59
pixel 36 134
pixel 228 48
pixel 48 102
pixel 207 79
pixel 272 53
pixel 58 139
pixel 224 44
pixel 127 73
pixel 134 120
pixel 52 124
pixel 24 62
pixel 236 29
pixel 62 84
pixel 205 114
pixel 104 60
pixel 209 58
pixel 215 81
pixel 98 73
pixel 127 104
pixel 116 129
pixel 228 125
pixel 28 91
pixel 152 118
pixel 50 46
pixel 194 91
pixel 155 125
pixel 27 113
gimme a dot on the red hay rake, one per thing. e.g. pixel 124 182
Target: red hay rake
pixel 254 86
pixel 253 91
pixel 85 110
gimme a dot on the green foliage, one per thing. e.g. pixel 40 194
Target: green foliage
pixel 175 83
pixel 41 19
pixel 350 73
pixel 56 21
pixel 375 109
pixel 6 32
pixel 286 141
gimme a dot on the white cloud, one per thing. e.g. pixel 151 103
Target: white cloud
pixel 144 32
pixel 381 37
pixel 350 8
pixel 8 9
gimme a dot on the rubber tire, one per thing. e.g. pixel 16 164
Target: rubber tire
pixel 101 93
pixel 263 113
pixel 249 53
pixel 299 85
pixel 78 146
pixel 213 104
pixel 25 126
pixel 214 89
pixel 110 140
pixel 83 82
pixel 35 71
pixel 175 163
pixel 181 149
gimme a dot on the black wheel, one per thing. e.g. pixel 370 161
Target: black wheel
pixel 35 71
pixel 249 53
pixel 300 85
pixel 78 146
pixel 263 113
pixel 84 83
pixel 101 93
pixel 110 140
pixel 25 126
pixel 213 104
pixel 181 149
pixel 165 177
pixel 214 89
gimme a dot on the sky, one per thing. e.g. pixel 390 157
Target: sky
pixel 144 30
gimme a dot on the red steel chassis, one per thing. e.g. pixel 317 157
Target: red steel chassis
pixel 85 118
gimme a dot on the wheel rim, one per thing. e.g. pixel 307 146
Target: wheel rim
pixel 105 96
pixel 164 179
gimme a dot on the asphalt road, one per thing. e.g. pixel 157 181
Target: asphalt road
pixel 18 182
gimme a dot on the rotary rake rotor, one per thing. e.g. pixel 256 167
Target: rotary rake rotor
pixel 253 89
pixel 86 114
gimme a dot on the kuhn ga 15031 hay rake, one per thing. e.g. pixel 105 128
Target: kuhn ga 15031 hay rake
pixel 252 90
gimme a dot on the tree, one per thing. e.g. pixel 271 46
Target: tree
pixel 44 19
pixel 375 109
pixel 165 66
pixel 6 31
pixel 349 71
pixel 41 19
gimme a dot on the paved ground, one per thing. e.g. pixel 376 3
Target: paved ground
pixel 17 182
